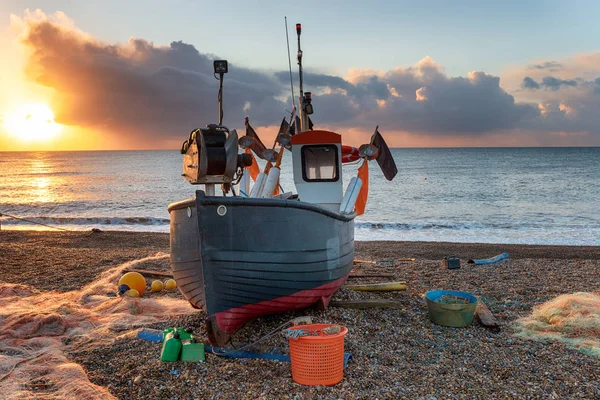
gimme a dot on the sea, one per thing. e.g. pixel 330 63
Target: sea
pixel 471 195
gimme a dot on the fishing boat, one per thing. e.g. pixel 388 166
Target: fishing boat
pixel 253 251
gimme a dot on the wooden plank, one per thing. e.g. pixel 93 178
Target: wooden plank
pixel 156 274
pixel 485 316
pixel 366 304
pixel 365 262
pixel 379 287
pixel 371 276
pixel 384 262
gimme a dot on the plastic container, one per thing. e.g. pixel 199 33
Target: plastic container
pixel 192 351
pixel 317 360
pixel 454 315
pixel 270 183
pixel 349 200
pixel 184 333
pixel 171 347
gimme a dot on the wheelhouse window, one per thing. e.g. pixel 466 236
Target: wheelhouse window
pixel 320 163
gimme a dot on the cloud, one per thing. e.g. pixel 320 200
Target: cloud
pixel 552 83
pixel 142 91
pixel 529 83
pixel 420 98
pixel 548 82
pixel 548 65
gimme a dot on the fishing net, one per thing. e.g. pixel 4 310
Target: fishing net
pixel 38 328
pixel 573 319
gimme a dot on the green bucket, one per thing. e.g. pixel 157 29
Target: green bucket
pixel 454 315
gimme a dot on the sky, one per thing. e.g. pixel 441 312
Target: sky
pixel 133 74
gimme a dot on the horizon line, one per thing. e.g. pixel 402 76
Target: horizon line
pixel 407 148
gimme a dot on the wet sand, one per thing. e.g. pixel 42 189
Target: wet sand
pixel 398 353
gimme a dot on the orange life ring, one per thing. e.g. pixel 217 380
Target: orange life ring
pixel 349 154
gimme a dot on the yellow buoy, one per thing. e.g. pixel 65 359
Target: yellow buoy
pixel 134 280
pixel 132 293
pixel 170 284
pixel 156 286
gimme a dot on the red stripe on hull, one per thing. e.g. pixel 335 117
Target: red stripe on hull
pixel 231 320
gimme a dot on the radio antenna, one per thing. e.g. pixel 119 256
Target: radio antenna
pixel 290 64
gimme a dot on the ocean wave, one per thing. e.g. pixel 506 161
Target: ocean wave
pixel 472 225
pixel 90 221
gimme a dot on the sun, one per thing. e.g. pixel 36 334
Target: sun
pixel 32 122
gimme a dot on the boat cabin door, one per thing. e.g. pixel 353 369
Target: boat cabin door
pixel 317 162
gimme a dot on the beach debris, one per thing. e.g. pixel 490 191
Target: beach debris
pixel 138 379
pixel 492 260
pixel 572 319
pixel 451 262
pixel 485 316
pixel 366 304
pixel 379 287
pixel 156 286
pixel 170 284
pixel 134 280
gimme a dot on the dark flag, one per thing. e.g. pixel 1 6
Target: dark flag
pixel 257 145
pixel 285 126
pixel 310 124
pixel 384 157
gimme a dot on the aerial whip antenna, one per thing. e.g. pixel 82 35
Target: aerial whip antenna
pixel 290 65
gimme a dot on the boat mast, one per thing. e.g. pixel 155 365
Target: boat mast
pixel 305 99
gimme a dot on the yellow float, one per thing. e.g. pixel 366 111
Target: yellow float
pixel 156 286
pixel 134 280
pixel 170 284
pixel 132 293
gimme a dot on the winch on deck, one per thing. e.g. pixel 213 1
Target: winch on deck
pixel 211 155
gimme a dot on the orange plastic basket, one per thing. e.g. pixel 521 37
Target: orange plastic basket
pixel 317 359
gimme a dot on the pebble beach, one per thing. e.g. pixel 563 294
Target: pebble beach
pixel 397 353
